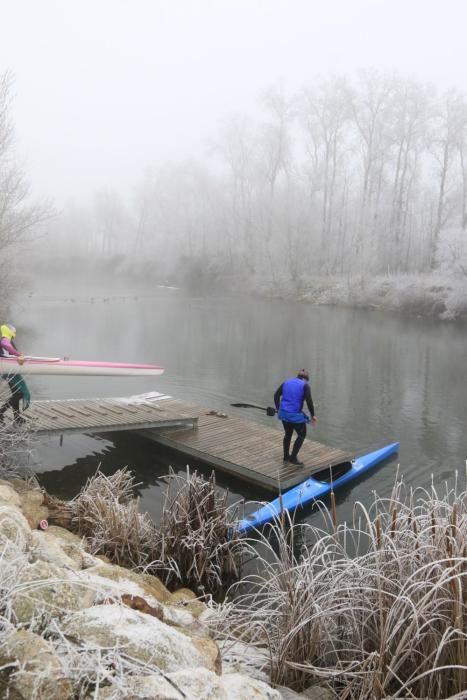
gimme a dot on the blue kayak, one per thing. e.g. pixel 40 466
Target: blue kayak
pixel 316 487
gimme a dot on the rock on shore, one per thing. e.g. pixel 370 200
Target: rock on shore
pixel 75 626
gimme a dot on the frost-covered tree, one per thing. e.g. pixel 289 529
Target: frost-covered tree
pixel 18 215
pixel 347 177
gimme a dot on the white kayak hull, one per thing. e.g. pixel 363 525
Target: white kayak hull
pixel 82 368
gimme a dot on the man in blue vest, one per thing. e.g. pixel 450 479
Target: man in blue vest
pixel 289 399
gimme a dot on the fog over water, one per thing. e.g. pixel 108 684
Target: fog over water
pixel 375 379
pixel 162 160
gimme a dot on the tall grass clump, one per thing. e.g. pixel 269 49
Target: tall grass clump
pixel 106 514
pixel 374 609
pixel 193 545
pixel 195 541
pixel 15 447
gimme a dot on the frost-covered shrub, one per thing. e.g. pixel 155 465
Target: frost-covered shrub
pixel 375 608
pixel 451 253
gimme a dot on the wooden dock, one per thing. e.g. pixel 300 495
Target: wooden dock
pixel 57 417
pixel 247 450
pixel 230 443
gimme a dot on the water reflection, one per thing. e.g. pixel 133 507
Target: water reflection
pixel 375 378
pixel 149 464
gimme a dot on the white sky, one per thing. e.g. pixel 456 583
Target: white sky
pixel 106 87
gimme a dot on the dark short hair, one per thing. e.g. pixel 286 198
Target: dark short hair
pixel 303 374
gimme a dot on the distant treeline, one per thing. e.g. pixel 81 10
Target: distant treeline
pixel 363 176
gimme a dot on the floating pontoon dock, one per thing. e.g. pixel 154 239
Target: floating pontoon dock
pixel 58 417
pixel 229 443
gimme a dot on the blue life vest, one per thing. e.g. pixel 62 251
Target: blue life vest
pixel 293 393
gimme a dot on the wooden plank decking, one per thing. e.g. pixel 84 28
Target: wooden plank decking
pixel 104 416
pixel 248 450
pixel 243 448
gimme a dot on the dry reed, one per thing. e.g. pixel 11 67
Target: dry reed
pixel 195 543
pixel 106 514
pixel 375 609
pixel 16 446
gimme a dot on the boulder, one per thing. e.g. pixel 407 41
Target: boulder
pixel 12 558
pixel 39 674
pixel 148 585
pixel 193 684
pixel 210 651
pixel 153 687
pixel 65 535
pixel 141 636
pixel 158 589
pixel 119 585
pixel 31 500
pixel 89 560
pixel 49 548
pixel 14 526
pixel 32 506
pixel 8 495
pixel 51 590
pixel 136 602
pixel 185 598
pixel 22 486
pixel 75 553
pixel 183 595
pixel 103 558
pixel 71 544
pixel 204 685
pixel 174 615
pixel 237 686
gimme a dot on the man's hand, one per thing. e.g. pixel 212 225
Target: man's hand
pixel 314 419
pixel 20 359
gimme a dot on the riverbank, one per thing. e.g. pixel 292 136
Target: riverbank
pixel 74 625
pixel 431 296
pixel 372 608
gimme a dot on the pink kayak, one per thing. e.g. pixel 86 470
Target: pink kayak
pixel 85 368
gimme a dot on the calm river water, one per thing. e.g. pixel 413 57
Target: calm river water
pixel 375 378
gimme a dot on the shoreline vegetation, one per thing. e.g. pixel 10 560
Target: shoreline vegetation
pixel 429 296
pixel 433 295
pixel 105 603
pixel 348 176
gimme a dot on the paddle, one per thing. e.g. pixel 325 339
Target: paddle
pixel 270 411
pixel 35 358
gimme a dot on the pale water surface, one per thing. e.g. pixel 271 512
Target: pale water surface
pixel 375 378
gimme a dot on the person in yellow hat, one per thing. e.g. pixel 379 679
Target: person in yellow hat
pixel 18 387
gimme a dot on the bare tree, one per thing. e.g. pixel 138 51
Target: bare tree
pixel 372 103
pixel 238 146
pixel 112 221
pixel 446 132
pixel 359 177
pixel 410 116
pixel 18 216
pixel 325 113
pixel 461 132
pixel 275 159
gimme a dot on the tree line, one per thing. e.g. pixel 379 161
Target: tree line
pixel 19 215
pixel 361 176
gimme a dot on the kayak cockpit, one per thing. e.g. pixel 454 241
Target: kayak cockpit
pixel 333 472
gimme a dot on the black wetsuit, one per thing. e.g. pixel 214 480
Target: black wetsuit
pixel 289 427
